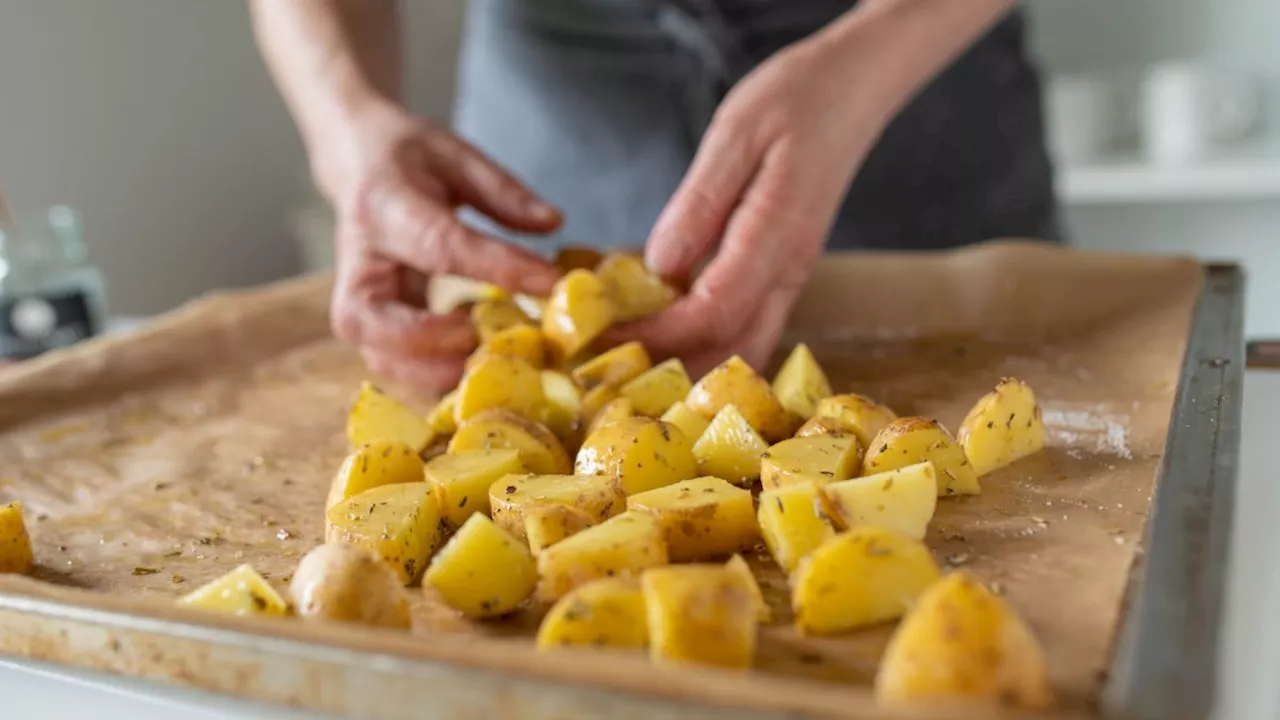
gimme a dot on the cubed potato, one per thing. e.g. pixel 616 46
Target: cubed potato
pixel 15 543
pixel 441 419
pixel 902 500
pixel 377 416
pixel 400 523
pixel 701 518
pixel 614 368
pixel 483 572
pixel 546 525
pixel 793 523
pixel 689 422
pixel 343 583
pixel 1003 427
pixel 636 291
pixel 857 414
pixel 734 382
pixel 500 383
pixel 616 410
pixel 595 400
pixel 962 642
pixel 801 383
pixel 579 310
pixel 577 258
pixel 623 546
pixel 911 440
pixel 239 592
pixel 461 480
pixel 730 448
pixel 597 496
pixel 540 450
pixel 819 425
pixel 518 341
pixel 861 577
pixel 639 452
pixel 700 614
pixel 739 565
pixel 384 462
pixel 602 613
pixel 817 460
pixel 490 317
pixel 562 413
pixel 657 389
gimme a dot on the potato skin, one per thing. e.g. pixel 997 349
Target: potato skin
pixel 857 414
pixel 15 543
pixel 614 368
pixel 348 584
pixel 701 518
pixel 911 440
pixel 598 497
pixel 540 450
pixel 641 453
pixel 733 382
pixel 579 310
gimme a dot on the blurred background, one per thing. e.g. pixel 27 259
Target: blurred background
pixel 157 123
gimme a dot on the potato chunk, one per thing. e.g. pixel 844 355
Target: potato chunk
pixel 562 412
pixel 239 592
pixel 498 382
pixel 857 414
pixel 1003 427
pixel 615 367
pixel 902 500
pixel 377 416
pixel 911 440
pixel 700 614
pixel 540 450
pixel 733 382
pixel 739 565
pixel 820 425
pixel 546 525
pixel 657 389
pixel 962 642
pixel 524 342
pixel 601 613
pixel 640 453
pixel 15 543
pixel 349 584
pixel 701 518
pixel 385 462
pixel 690 423
pixel 622 546
pixel 857 578
pixel 599 497
pixel 461 480
pixel 730 448
pixel 817 460
pixel 490 317
pixel 616 410
pixel 596 400
pixel 636 291
pixel 792 523
pixel 483 572
pixel 801 383
pixel 579 310
pixel 441 417
pixel 400 523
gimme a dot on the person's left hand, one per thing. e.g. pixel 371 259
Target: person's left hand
pixel 765 186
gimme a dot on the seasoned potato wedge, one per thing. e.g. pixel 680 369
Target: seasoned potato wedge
pixel 636 291
pixel 546 525
pixel 911 440
pixel 616 410
pixel 595 400
pixel 793 523
pixel 490 317
pixel 962 642
pixel 1004 426
pixel 801 383
pixel 902 500
pixel 239 592
pixel 639 452
pixel 739 565
pixel 578 258
pixel 518 341
pixel 377 416
pixel 820 425
pixel 497 382
pixel 733 382
pixel 348 584
pixel 730 448
pixel 400 523
pixel 540 450
pixel 700 614
pixel 483 572
pixel 461 480
pixel 441 419
pixel 657 389
pixel 701 518
pixel 622 546
pixel 15 543
pixel 384 462
pixel 690 423
pixel 579 310
pixel 861 577
pixel 614 367
pixel 857 414
pixel 602 613
pixel 599 497
pixel 562 412
pixel 816 460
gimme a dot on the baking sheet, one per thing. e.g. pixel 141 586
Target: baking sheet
pixel 154 462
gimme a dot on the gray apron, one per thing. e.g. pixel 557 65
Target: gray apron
pixel 599 106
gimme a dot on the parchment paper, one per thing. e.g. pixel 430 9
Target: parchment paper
pixel 153 462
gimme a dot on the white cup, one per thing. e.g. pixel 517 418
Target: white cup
pixel 1187 109
pixel 1080 116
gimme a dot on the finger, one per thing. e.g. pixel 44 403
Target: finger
pixel 482 184
pixel 431 375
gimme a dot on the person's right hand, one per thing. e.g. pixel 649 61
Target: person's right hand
pixel 396 182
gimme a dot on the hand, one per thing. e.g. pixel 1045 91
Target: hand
pixel 396 182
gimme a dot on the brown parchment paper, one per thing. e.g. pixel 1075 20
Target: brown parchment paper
pixel 153 462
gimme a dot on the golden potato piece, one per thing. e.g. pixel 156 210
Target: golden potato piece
pixel 15 543
pixel 348 584
pixel 739 565
pixel 239 592
pixel 861 577
pixel 902 500
pixel 540 450
pixel 1003 427
pixel 490 317
pixel 730 448
pixel 657 389
pixel 546 525
pixel 599 497
pixel 911 440
pixel 801 383
pixel 819 425
pixel 614 367
pixel 700 614
pixel 483 572
pixel 793 523
pixel 577 258
pixel 690 423
pixel 816 460
pixel 602 613
pixel 701 518
pixel 962 642
pixel 400 523
pixel 622 546
pixel 500 383
pixel 579 310
pixel 440 419
pixel 733 382
pixel 533 307
pixel 562 413
pixel 595 400
pixel 518 341
pixel 385 462
pixel 377 416
pixel 616 410
pixel 639 452
pixel 461 480
pixel 857 414
pixel 636 291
